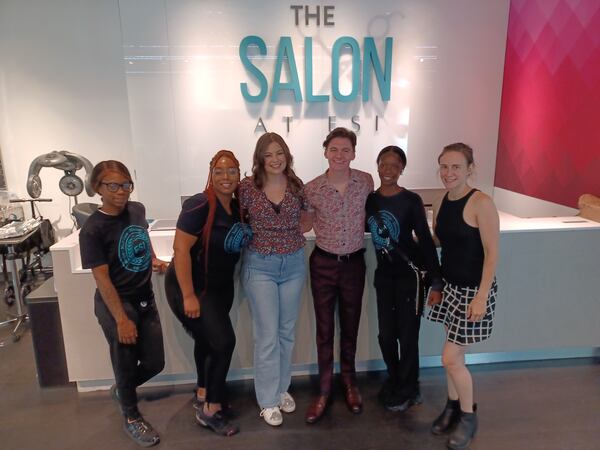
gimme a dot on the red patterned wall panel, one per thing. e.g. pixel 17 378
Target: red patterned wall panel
pixel 549 137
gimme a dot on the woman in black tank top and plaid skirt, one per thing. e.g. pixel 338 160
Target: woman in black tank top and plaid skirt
pixel 462 265
pixel 467 226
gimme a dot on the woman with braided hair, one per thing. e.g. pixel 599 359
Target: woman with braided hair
pixel 199 283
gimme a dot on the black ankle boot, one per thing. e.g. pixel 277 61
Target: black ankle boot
pixel 464 431
pixel 447 419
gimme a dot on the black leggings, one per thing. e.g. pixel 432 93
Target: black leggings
pixel 133 364
pixel 399 323
pixel 214 338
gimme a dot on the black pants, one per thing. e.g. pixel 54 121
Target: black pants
pixel 399 323
pixel 133 364
pixel 214 338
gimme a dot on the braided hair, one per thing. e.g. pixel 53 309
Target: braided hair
pixel 212 205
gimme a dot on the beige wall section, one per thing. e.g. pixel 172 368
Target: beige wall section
pixel 548 300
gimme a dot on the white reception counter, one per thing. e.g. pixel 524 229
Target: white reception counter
pixel 548 307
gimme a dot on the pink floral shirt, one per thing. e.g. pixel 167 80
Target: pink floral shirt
pixel 272 232
pixel 339 220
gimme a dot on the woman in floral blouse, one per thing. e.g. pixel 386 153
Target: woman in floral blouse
pixel 273 270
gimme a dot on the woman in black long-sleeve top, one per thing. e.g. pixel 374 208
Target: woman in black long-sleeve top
pixel 393 214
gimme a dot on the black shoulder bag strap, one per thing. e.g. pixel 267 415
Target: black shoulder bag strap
pixel 419 274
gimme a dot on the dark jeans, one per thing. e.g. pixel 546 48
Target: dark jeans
pixel 133 364
pixel 334 281
pixel 399 323
pixel 214 338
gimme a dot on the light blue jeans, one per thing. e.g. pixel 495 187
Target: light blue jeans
pixel 273 285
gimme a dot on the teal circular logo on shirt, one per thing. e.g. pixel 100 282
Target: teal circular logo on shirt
pixel 385 230
pixel 237 237
pixel 134 249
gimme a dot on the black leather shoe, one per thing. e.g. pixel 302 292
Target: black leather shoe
pixel 141 431
pixel 465 430
pixel 447 419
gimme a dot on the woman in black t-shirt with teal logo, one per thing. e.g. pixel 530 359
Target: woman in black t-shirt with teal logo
pixel 394 214
pixel 114 243
pixel 199 284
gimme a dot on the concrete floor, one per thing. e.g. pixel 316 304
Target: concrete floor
pixel 534 405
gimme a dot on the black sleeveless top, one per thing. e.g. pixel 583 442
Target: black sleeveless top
pixel 462 251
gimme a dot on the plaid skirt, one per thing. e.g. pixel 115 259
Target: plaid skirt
pixel 453 310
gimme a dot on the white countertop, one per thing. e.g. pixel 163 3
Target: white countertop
pixel 512 224
pixel 162 240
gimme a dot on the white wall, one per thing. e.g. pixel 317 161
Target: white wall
pixel 525 206
pixel 447 74
pixel 62 87
pixel 155 83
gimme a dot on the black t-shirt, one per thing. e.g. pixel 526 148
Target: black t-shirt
pixel 123 243
pixel 227 238
pixel 401 215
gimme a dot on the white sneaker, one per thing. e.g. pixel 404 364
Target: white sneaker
pixel 272 416
pixel 287 403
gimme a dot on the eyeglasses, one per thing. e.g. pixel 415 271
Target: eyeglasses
pixel 114 187
pixel 231 171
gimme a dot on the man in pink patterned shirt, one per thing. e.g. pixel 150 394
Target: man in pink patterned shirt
pixel 337 267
